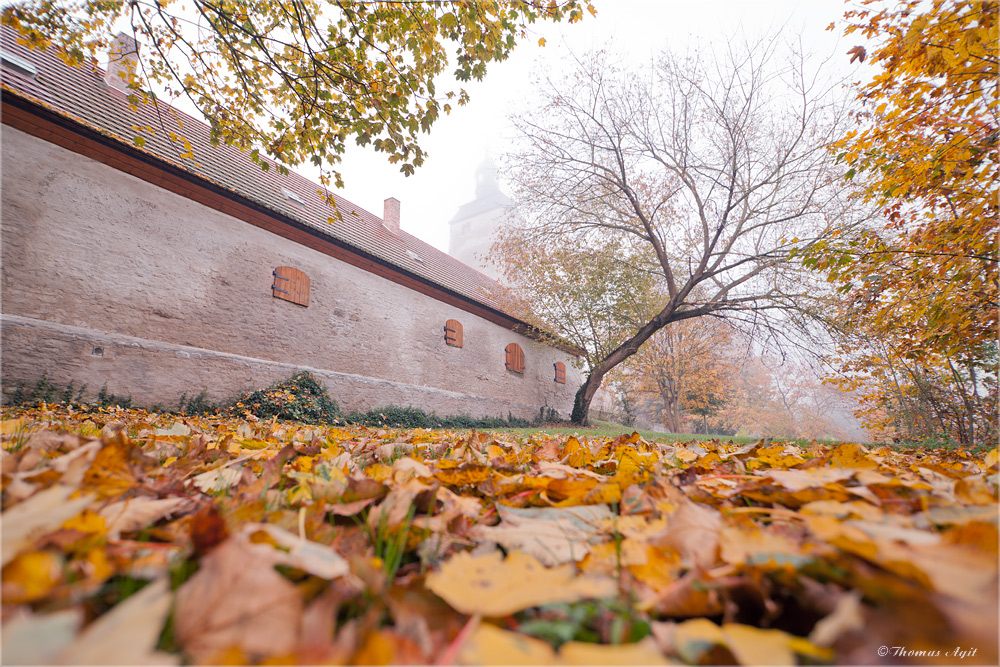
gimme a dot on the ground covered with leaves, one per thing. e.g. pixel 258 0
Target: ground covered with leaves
pixel 139 538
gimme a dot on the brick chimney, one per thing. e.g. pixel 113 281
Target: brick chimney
pixel 390 215
pixel 122 61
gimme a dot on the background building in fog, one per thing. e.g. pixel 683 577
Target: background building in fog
pixel 472 228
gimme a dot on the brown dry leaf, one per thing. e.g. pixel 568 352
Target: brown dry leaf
pixel 745 542
pixel 306 555
pixel 270 472
pixel 412 626
pixel 316 645
pixel 948 515
pixel 552 535
pixel 237 599
pixel 36 639
pixel 393 510
pixel 113 470
pixel 560 471
pixel 492 586
pixel 847 617
pixel 955 571
pixel 976 490
pixel 42 513
pixel 218 479
pixel 208 529
pixel 892 532
pixel 454 505
pixel 16 490
pixel 351 508
pixel 693 532
pixel 126 635
pixel 914 532
pixel 684 598
pixel 177 428
pixel 856 508
pixel 128 515
pixel 406 468
pixel 810 478
pixel 327 482
pixel 74 464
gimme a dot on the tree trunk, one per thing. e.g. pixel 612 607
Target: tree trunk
pixel 581 406
pixel 678 421
pixel 669 397
pixel 584 396
pixel 668 413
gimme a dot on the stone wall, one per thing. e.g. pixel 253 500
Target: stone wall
pixel 178 297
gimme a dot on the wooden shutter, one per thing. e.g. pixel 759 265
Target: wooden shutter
pixel 291 285
pixel 515 358
pixel 453 333
pixel 560 372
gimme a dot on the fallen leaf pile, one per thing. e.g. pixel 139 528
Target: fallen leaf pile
pixel 137 538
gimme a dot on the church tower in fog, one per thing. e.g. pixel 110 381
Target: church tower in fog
pixel 473 226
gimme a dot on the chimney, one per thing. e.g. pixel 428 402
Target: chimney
pixel 122 61
pixel 390 216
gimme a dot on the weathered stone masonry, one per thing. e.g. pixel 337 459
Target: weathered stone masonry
pixel 107 277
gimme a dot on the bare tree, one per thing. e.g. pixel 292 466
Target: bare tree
pixel 716 166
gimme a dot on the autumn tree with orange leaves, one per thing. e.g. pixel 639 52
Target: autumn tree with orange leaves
pixel 920 290
pixel 684 372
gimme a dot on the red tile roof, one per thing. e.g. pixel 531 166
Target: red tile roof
pixel 80 94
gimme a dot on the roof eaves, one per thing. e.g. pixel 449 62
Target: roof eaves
pixel 435 266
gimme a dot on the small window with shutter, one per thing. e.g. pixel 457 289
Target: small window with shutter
pixel 514 358
pixel 560 372
pixel 291 285
pixel 453 333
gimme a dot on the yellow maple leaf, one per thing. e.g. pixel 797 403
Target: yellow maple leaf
pixel 851 455
pixel 777 456
pixel 492 586
pixel 585 653
pixel 31 576
pixel 87 521
pixel 490 645
pixel 991 459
